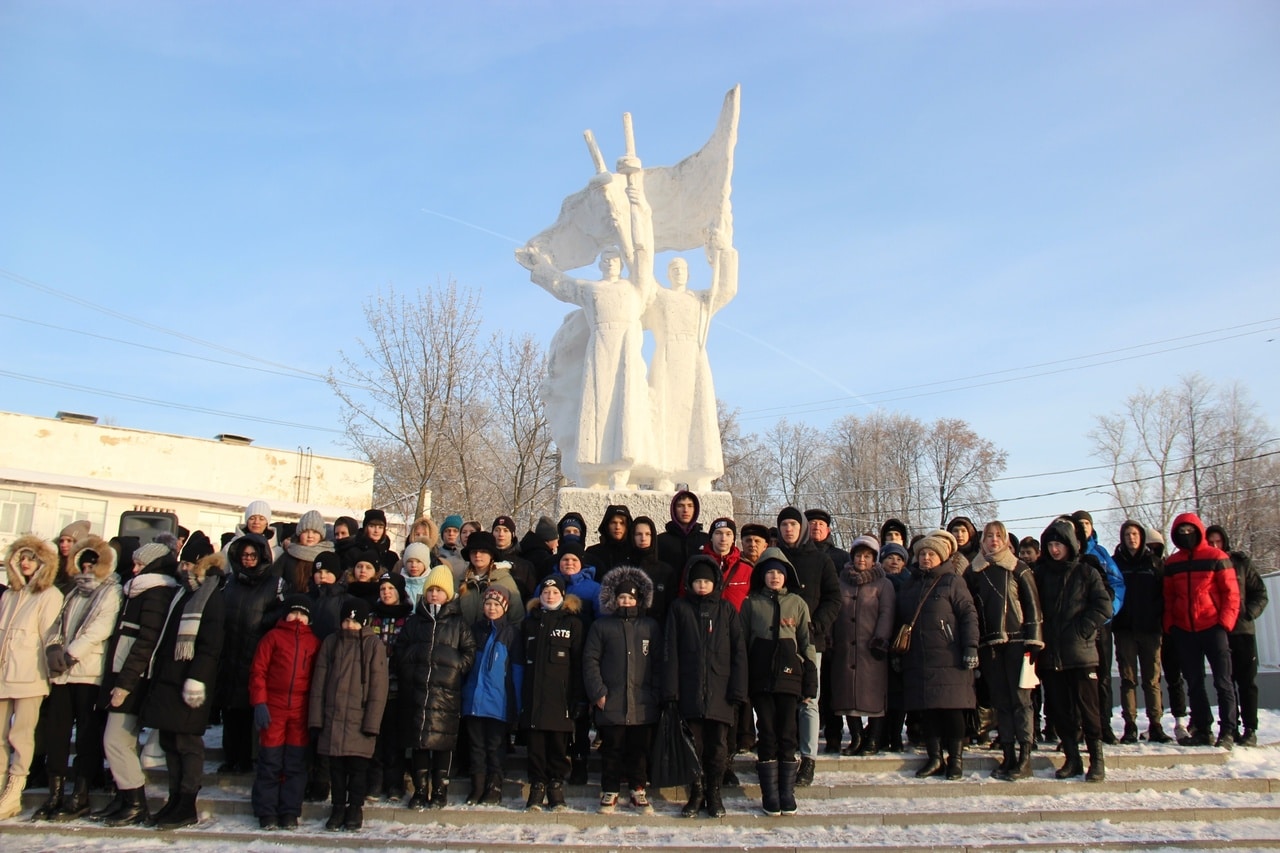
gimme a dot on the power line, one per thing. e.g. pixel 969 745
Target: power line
pixel 821 405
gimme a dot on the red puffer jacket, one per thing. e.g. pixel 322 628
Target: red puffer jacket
pixel 282 664
pixel 1200 589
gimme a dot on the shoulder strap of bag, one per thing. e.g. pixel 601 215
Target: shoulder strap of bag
pixel 928 592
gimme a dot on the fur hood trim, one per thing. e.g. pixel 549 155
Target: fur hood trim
pixel 44 575
pixel 215 563
pixel 106 556
pixel 625 576
pixel 572 604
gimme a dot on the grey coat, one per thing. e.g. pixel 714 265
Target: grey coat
pixel 860 676
pixel 349 693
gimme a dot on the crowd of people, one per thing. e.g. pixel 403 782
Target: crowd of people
pixel 340 669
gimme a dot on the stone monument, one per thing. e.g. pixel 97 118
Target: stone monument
pixel 630 432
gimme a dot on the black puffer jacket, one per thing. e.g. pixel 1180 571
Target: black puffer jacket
pixel 622 657
pixel 1253 590
pixel 251 602
pixel 165 708
pixel 433 656
pixel 542 562
pixel 1074 601
pixel 819 586
pixel 675 544
pixel 933 671
pixel 1143 573
pixel 552 692
pixel 1008 603
pixel 704 666
pixel 147 596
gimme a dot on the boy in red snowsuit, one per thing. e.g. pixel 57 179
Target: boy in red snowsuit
pixel 279 685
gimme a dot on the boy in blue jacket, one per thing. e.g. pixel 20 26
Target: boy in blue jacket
pixel 491 696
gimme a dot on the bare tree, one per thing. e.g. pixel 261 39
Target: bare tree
pixel 402 395
pixel 1194 447
pixel 796 454
pixel 960 466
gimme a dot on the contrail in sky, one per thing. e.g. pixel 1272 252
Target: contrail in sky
pixel 471 225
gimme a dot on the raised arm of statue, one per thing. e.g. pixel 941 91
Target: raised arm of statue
pixel 546 276
pixel 724 279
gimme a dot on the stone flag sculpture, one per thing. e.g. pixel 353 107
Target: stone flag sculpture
pixel 617 421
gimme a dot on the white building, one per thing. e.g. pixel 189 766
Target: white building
pixel 56 470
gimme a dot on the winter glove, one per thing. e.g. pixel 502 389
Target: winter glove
pixel 895 663
pixel 193 693
pixel 809 681
pixel 971 660
pixel 879 648
pixel 261 716
pixel 57 659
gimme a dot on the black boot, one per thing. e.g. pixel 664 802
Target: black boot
pixel 492 791
pixel 555 796
pixel 1156 734
pixel 134 811
pixel 769 799
pixel 337 817
pixel 832 734
pixel 715 805
pixel 78 805
pixel 787 771
pixel 354 821
pixel 439 789
pixel 183 813
pixel 537 793
pixel 1130 732
pixel 1022 768
pixel 477 790
pixel 855 737
pixel 53 804
pixel 934 766
pixel 695 799
pixel 1097 764
pixel 1005 767
pixel 418 802
pixel 871 736
pixel 170 803
pixel 955 759
pixel 110 809
pixel 1072 766
pixel 804 778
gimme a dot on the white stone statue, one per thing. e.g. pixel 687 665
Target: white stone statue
pixel 687 435
pixel 611 426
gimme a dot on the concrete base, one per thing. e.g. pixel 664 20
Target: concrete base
pixel 592 503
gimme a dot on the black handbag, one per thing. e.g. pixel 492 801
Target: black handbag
pixel 673 760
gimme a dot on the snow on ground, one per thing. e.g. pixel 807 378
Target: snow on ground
pixel 847 825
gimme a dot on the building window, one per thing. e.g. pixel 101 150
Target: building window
pixel 16 511
pixel 82 509
pixel 214 524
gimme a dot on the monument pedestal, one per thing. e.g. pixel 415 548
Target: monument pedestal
pixel 591 504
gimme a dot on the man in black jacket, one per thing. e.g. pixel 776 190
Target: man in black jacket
pixel 820 589
pixel 1242 639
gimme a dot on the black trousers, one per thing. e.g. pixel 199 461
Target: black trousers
pixel 348 780
pixel 1194 647
pixel 281 781
pixel 548 756
pixel 1171 663
pixel 1002 670
pixel 184 759
pixel 1244 673
pixel 386 768
pixel 237 736
pixel 488 738
pixel 777 733
pixel 1106 654
pixel 624 752
pixel 72 706
pixel 709 741
pixel 1071 698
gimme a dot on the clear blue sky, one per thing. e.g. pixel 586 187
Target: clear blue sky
pixel 924 192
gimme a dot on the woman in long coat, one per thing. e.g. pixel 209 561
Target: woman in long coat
pixel 184 672
pixel 937 668
pixel 858 647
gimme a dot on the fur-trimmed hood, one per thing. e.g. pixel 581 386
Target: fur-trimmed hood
pixel 44 575
pixel 1004 558
pixel 212 563
pixel 106 556
pixel 625 576
pixel 572 604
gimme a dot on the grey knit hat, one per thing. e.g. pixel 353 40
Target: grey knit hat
pixel 149 553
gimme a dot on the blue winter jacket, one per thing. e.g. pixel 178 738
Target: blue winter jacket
pixel 1115 580
pixel 585 586
pixel 493 685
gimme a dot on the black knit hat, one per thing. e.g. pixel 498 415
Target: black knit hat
pixel 376 515
pixel 570 546
pixel 702 567
pixel 790 513
pixel 329 562
pixel 395 580
pixel 721 523
pixel 481 540
pixel 546 530
pixel 1082 515
pixel 356 609
pixel 297 601
pixel 503 521
pixel 196 548
pixel 557 581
